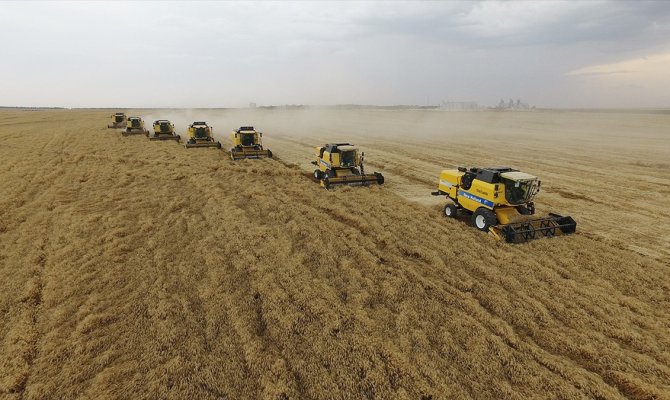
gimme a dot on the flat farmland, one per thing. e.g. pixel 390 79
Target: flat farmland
pixel 138 269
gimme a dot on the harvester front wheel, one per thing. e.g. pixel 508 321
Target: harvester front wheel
pixel 450 210
pixel 483 219
pixel 317 174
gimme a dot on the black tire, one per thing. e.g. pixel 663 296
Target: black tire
pixel 523 210
pixel 269 154
pixel 483 219
pixel 450 210
pixel 326 182
pixel 329 173
pixel 380 178
pixel 318 175
pixel 218 145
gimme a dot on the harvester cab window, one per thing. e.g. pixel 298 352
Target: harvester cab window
pixel 200 132
pixel 348 158
pixel 164 126
pixel 247 139
pixel 136 122
pixel 517 192
pixel 118 118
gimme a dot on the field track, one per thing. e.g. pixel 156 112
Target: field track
pixel 137 269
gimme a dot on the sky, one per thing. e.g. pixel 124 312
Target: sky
pixel 571 54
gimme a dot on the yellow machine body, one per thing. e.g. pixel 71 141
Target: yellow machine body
pixel 164 130
pixel 135 126
pixel 341 163
pixel 200 135
pixel 247 143
pixel 118 120
pixel 500 200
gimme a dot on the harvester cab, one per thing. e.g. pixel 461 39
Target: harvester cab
pixel 135 126
pixel 200 135
pixel 118 120
pixel 500 201
pixel 247 143
pixel 341 163
pixel 164 130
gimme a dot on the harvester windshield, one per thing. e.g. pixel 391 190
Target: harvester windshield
pixel 135 122
pixel 118 118
pixel 247 139
pixel 348 158
pixel 519 192
pixel 201 132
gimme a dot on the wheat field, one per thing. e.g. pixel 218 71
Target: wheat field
pixel 133 269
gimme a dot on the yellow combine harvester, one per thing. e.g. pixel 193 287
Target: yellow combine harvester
pixel 500 201
pixel 340 163
pixel 164 130
pixel 118 120
pixel 134 126
pixel 247 143
pixel 200 135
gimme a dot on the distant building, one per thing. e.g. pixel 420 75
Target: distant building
pixel 512 105
pixel 459 105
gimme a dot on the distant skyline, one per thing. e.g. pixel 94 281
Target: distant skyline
pixel 589 54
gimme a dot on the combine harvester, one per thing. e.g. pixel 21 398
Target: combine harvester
pixel 200 135
pixel 164 130
pixel 118 120
pixel 134 126
pixel 339 164
pixel 501 203
pixel 247 143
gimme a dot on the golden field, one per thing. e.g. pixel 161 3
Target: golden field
pixel 143 270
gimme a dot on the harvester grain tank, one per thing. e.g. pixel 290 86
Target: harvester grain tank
pixel 118 120
pixel 135 126
pixel 247 143
pixel 164 130
pixel 341 163
pixel 200 135
pixel 500 201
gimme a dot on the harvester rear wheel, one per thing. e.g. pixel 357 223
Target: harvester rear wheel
pixel 450 210
pixel 483 219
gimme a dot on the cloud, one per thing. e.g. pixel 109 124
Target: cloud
pixel 650 67
pixel 230 53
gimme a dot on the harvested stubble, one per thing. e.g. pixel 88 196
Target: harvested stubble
pixel 136 269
